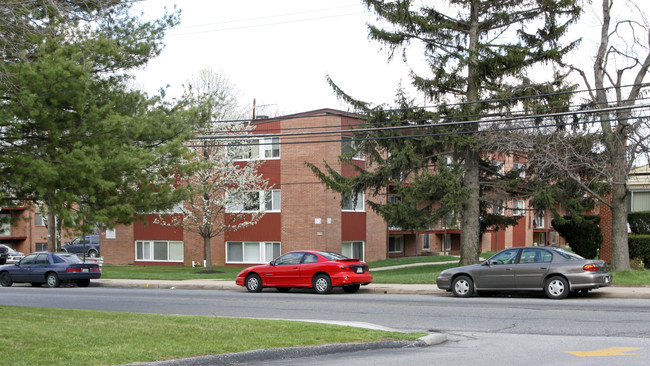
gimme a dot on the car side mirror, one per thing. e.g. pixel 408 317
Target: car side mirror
pixel 272 263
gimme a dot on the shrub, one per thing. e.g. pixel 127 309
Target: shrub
pixel 640 247
pixel 582 232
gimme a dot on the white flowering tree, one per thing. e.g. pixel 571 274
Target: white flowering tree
pixel 225 189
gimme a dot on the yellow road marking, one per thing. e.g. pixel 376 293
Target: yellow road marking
pixel 614 351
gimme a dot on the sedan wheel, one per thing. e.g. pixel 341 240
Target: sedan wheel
pixel 322 284
pixel 557 288
pixel 92 254
pixel 462 286
pixel 253 283
pixel 52 280
pixel 5 280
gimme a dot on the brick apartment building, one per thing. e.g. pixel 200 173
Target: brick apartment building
pixel 302 213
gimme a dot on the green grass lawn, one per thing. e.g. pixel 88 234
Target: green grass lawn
pixel 40 336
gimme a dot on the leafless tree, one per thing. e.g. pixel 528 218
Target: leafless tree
pixel 607 133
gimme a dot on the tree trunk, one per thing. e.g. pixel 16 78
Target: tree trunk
pixel 51 230
pixel 208 253
pixel 470 225
pixel 620 248
pixel 470 217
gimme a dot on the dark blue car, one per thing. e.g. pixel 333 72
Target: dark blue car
pixel 51 269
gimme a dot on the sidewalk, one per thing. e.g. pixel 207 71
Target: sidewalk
pixel 430 289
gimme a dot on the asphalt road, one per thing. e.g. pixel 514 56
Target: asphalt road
pixel 498 329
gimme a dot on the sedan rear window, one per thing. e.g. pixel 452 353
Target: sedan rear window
pixel 567 255
pixel 67 258
pixel 332 256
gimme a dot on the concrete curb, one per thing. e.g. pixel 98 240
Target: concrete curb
pixel 207 284
pixel 285 353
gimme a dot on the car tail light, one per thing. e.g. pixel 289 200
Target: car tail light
pixel 73 270
pixel 95 269
pixel 590 267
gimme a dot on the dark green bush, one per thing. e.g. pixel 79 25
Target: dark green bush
pixel 581 232
pixel 640 247
pixel 639 222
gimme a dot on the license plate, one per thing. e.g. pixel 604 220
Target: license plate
pixel 84 270
pixel 359 270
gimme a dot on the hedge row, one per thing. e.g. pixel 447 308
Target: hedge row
pixel 640 247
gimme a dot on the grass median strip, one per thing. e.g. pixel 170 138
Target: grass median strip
pixel 41 336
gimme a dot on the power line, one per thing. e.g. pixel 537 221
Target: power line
pixel 415 126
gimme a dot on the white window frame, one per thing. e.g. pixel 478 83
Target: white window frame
pixel 5 225
pixel 272 199
pixel 518 207
pixel 148 254
pixel 348 143
pixel 498 166
pixel 38 219
pixel 497 208
pixel 540 219
pixel 400 243
pixel 521 168
pixel 275 196
pixel 348 249
pixel 270 148
pixel 426 243
pixel 266 251
pixel 265 148
pixel 347 202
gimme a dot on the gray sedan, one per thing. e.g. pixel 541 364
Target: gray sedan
pixel 555 271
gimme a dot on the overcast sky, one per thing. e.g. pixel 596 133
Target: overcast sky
pixel 280 51
pixel 277 52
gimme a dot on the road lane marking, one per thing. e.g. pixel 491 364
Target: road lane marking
pixel 613 351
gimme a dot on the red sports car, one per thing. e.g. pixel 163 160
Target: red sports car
pixel 307 268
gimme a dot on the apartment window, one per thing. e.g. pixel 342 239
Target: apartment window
pixel 450 221
pixel 497 166
pixel 159 251
pixel 38 219
pixel 353 249
pixel 518 208
pixel 5 224
pixel 270 147
pixel 251 201
pixel 251 251
pixel 253 149
pixel 395 244
pixel 272 200
pixel 394 198
pixel 497 208
pixel 40 247
pixel 426 244
pixel 446 242
pixel 349 204
pixel 521 168
pixel 347 147
pixel 539 219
